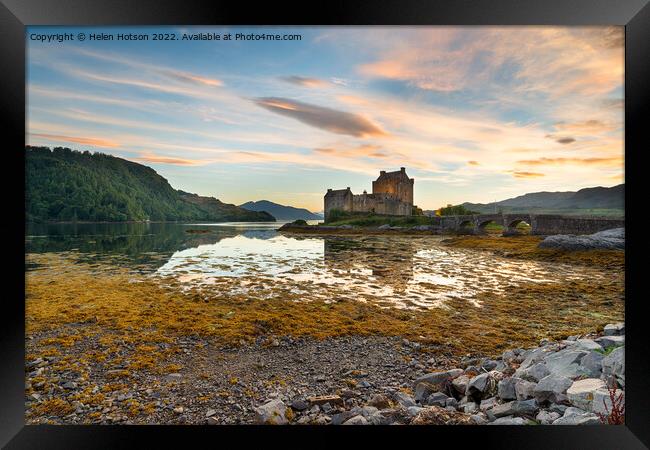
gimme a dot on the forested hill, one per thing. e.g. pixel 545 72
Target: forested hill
pixel 68 185
pixel 281 212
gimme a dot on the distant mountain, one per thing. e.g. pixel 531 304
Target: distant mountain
pixel 281 212
pixel 596 200
pixel 68 185
pixel 227 212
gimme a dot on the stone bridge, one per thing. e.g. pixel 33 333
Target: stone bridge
pixel 541 224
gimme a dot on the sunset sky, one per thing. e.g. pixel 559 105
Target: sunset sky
pixel 474 113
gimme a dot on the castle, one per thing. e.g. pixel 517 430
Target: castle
pixel 392 194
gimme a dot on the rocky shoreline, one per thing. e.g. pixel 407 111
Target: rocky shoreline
pixel 351 380
pixel 559 383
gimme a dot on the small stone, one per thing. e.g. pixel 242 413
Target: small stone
pixel 210 412
pixel 69 385
pixel 379 401
pixel 212 421
pixel 566 363
pixel 489 364
pixel 469 407
pixel 179 410
pixel 581 392
pixel 338 419
pixel 552 388
pixel 509 420
pixel 588 344
pixel 613 365
pixel 611 341
pixel 482 386
pixel 356 420
pixel 34 363
pixel 438 378
pixel 593 364
pixel 576 416
pixel 173 377
pixel 299 405
pixel 423 390
pixel 451 403
pixel 478 419
pixel 437 399
pixel 272 413
pixel 602 403
pixel 614 329
pixel 524 389
pixel 321 420
pixel 560 409
pixel 404 399
pixel 488 403
pixel 547 417
pixel 536 372
pixel 460 384
pixel 506 388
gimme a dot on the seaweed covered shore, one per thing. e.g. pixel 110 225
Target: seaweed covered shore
pixel 117 346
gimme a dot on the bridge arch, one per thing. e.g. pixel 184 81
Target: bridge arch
pixel 520 225
pixel 466 226
pixel 482 225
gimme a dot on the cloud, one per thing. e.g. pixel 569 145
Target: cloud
pixel 613 103
pixel 372 151
pixel 580 161
pixel 186 77
pixel 585 127
pixel 150 157
pixel 473 163
pixel 96 142
pixel 518 174
pixel 328 119
pixel 304 81
pixel 191 78
pixel 554 61
pixel 561 139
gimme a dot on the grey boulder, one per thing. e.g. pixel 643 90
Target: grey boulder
pixel 552 389
pixel 272 413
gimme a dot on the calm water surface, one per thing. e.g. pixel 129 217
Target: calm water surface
pixel 254 259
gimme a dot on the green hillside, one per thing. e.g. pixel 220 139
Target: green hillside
pixel 68 185
pixel 603 201
pixel 281 212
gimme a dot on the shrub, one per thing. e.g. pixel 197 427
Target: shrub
pixel 617 415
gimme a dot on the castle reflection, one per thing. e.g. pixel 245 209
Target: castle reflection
pixel 389 264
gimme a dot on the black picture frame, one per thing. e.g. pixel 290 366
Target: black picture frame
pixel 16 14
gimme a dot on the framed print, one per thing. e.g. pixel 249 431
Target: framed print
pixel 368 215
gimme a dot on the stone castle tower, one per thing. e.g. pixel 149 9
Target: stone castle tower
pixel 392 194
pixel 395 183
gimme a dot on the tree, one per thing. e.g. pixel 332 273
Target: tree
pixel 457 210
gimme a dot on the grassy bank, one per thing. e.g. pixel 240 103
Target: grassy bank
pixel 376 220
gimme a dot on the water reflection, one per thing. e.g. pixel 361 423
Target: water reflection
pixel 388 265
pixel 257 261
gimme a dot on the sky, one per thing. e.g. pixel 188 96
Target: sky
pixel 475 114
